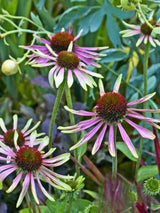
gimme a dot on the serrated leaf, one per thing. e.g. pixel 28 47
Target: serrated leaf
pixel 124 149
pixel 146 172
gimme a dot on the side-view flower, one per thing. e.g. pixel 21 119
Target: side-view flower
pixel 11 135
pixel 112 108
pixel 144 30
pixel 31 164
pixel 64 55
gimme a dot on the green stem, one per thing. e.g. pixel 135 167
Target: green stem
pixel 114 159
pixel 145 77
pixel 70 203
pixel 54 113
pixel 69 103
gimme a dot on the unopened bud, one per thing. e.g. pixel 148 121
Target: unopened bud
pixel 9 67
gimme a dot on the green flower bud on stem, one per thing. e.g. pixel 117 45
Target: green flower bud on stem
pixel 152 186
pixel 9 67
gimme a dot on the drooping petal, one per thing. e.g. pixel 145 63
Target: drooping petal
pixel 7 172
pixel 15 182
pixel 141 117
pixel 56 174
pixel 60 159
pixel 80 126
pixel 43 189
pixel 88 136
pixel 24 189
pixel 33 188
pixel 69 78
pixel 59 78
pixel 151 41
pixel 145 133
pixel 140 40
pixel 59 183
pixel 111 146
pixel 127 140
pixel 99 139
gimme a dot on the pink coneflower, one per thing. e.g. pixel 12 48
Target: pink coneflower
pixel 144 30
pixel 112 108
pixel 30 164
pixel 22 136
pixel 62 53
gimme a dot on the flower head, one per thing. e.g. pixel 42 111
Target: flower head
pixel 31 163
pixel 14 135
pixel 144 30
pixel 65 56
pixel 112 108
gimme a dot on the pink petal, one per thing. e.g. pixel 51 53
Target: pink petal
pixel 80 112
pixel 70 78
pixel 141 100
pixel 142 131
pixel 88 136
pixel 7 172
pixel 15 182
pixel 33 188
pixel 111 146
pixel 99 140
pixel 24 189
pixel 127 140
pixel 43 189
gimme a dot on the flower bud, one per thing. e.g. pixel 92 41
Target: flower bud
pixel 9 67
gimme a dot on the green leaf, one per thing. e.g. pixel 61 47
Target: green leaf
pixel 12 7
pixel 124 149
pixel 46 18
pixel 36 19
pixel 1 185
pixel 71 15
pixel 92 194
pixel 146 172
pixel 94 24
pixel 43 209
pixel 113 55
pixel 56 206
pixel 113 32
pixel 82 149
pixel 79 206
